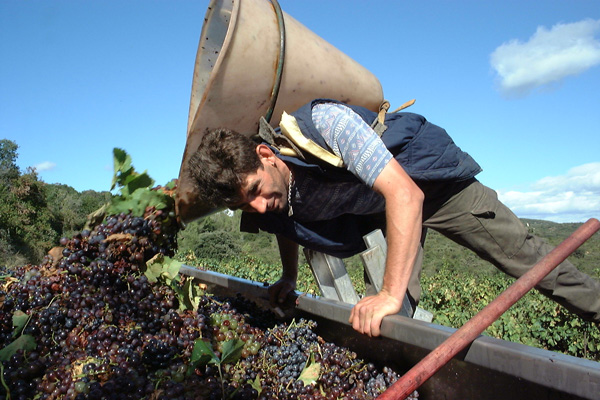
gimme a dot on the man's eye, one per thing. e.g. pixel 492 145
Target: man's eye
pixel 254 191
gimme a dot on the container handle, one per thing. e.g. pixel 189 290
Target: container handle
pixel 279 71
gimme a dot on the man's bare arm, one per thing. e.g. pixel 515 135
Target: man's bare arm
pixel 288 251
pixel 404 205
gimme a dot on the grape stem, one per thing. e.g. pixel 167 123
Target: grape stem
pixel 3 382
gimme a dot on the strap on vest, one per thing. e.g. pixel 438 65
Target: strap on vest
pixel 405 105
pixel 378 124
pixel 289 128
pixel 285 146
pixel 291 140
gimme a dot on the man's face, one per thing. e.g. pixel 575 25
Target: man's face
pixel 265 190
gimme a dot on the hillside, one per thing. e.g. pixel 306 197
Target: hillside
pixel 218 237
pixel 34 215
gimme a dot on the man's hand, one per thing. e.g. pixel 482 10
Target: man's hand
pixel 367 314
pixel 279 291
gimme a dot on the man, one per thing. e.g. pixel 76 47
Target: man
pixel 412 176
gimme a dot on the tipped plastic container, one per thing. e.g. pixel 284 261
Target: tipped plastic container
pixel 238 65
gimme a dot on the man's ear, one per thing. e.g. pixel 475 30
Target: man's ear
pixel 264 152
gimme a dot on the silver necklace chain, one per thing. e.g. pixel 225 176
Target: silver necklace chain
pixel 290 210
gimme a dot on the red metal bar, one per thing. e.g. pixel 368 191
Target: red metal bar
pixel 435 360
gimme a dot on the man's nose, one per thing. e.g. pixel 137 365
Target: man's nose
pixel 259 205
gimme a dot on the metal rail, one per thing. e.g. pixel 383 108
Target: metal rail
pixel 488 369
pixel 460 339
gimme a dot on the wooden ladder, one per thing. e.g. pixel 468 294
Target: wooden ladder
pixel 332 277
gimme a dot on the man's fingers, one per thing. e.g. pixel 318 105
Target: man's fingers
pixel 279 291
pixel 375 325
pixel 354 314
pixel 365 320
pixel 274 293
pixel 355 318
pixel 360 318
pixel 284 290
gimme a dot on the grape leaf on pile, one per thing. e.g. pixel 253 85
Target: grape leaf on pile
pixel 203 354
pixel 163 268
pixel 191 294
pixel 310 373
pixel 19 321
pixel 135 188
pixel 232 350
pixel 23 342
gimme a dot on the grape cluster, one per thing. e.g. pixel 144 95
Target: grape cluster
pixel 158 354
pixel 103 330
pixel 228 326
pixel 94 316
pixel 299 364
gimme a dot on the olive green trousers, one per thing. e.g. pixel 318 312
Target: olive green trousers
pixel 471 215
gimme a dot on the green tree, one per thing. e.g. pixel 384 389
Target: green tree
pixel 92 200
pixel 70 208
pixel 210 238
pixel 64 203
pixel 8 173
pixel 25 221
pixel 8 161
pixel 25 218
pixel 201 238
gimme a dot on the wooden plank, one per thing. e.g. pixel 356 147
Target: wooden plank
pixel 331 276
pixel 334 283
pixel 374 261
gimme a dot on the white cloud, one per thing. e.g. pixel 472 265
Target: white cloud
pixel 572 197
pixel 44 166
pixel 548 57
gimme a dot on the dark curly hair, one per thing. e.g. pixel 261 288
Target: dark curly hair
pixel 220 165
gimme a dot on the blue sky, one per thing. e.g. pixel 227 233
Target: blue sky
pixel 515 83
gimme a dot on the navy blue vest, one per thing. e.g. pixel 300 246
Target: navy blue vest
pixel 425 151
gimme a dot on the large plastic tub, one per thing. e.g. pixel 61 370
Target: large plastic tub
pixel 246 50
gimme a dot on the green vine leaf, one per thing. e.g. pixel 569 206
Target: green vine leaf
pixel 202 354
pixel 171 185
pixel 191 295
pixel 136 181
pixel 136 193
pixel 310 373
pixel 162 268
pixel 19 320
pixel 257 385
pixel 122 166
pixel 232 351
pixel 23 342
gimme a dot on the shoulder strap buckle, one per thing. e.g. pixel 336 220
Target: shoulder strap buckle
pixel 378 124
pixel 277 140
